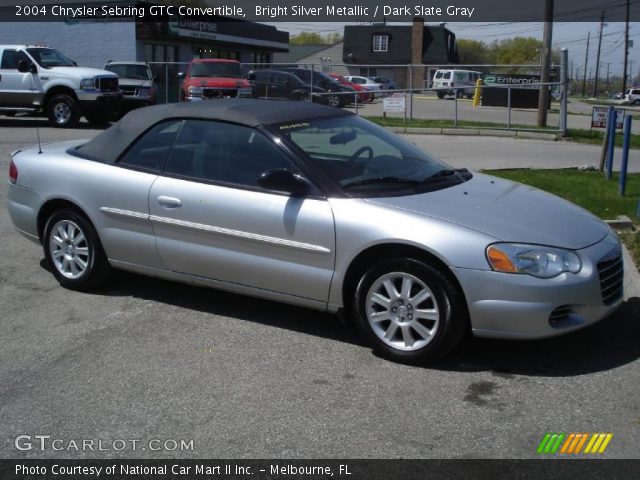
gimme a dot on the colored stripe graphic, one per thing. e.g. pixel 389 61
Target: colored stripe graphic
pixel 573 443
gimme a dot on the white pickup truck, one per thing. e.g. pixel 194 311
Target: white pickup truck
pixel 39 79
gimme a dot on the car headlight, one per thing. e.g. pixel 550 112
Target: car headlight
pixel 535 260
pixel 145 92
pixel 87 84
pixel 195 91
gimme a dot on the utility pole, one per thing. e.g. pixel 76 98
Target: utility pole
pixel 586 61
pixel 543 97
pixel 626 50
pixel 594 93
pixel 608 75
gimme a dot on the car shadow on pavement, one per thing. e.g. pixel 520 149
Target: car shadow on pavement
pixel 218 302
pixel 39 122
pixel 611 343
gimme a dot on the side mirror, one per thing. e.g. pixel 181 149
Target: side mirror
pixel 283 180
pixel 251 76
pixel 25 66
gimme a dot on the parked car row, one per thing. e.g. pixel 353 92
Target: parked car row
pixel 214 78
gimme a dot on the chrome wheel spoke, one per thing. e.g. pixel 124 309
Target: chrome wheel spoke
pixel 82 265
pixel 407 336
pixel 420 297
pixel 405 291
pixel 427 314
pixel 82 251
pixel 380 316
pixel 62 232
pixel 381 300
pixel 78 239
pixel 421 330
pixel 391 289
pixel 391 331
pixel 57 240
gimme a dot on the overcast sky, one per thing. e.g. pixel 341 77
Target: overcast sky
pixel 573 36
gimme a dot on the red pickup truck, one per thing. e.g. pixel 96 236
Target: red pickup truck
pixel 213 78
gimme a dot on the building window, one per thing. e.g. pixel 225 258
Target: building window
pixel 381 43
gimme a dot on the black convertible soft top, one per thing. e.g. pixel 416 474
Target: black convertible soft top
pixel 110 144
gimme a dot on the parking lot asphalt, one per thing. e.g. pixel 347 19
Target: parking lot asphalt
pixel 245 378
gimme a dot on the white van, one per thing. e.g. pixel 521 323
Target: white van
pixel 444 82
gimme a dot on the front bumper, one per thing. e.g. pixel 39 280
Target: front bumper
pixel 92 100
pixel 519 306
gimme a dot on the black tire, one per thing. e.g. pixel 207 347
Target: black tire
pixel 334 100
pixel 447 332
pixel 97 267
pixel 636 102
pixel 63 111
pixel 459 93
pixel 99 119
pixel 440 95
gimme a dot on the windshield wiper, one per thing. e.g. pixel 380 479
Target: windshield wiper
pixel 381 180
pixel 446 173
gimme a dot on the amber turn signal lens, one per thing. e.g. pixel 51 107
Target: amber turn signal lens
pixel 499 260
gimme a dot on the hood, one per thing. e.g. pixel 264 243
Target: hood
pixel 76 71
pixel 217 82
pixel 508 211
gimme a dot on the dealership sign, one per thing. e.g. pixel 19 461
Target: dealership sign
pixel 394 104
pixel 599 117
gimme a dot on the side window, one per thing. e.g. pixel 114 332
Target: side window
pixel 150 151
pixel 10 59
pixel 224 152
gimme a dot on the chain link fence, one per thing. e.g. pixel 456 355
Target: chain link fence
pixel 418 99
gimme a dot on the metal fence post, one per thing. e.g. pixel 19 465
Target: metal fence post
pixel 625 155
pixel 455 104
pixel 411 92
pixel 509 107
pixel 311 90
pixel 166 83
pixel 564 56
pixel 612 142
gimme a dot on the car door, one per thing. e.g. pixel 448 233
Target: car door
pixel 17 89
pixel 211 219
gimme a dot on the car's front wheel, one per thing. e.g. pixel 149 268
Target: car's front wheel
pixel 74 252
pixel 409 311
pixel 334 101
pixel 63 111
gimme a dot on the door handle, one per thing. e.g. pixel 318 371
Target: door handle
pixel 169 202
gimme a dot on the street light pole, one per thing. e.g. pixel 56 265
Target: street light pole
pixel 543 97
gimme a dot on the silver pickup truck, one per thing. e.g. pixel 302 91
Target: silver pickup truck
pixel 41 80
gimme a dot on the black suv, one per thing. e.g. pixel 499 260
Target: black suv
pixel 326 83
pixel 282 85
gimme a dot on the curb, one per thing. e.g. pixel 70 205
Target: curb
pixel 622 222
pixel 473 132
pixel 631 283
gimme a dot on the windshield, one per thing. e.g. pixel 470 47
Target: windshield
pixel 138 72
pixel 48 57
pixel 215 69
pixel 365 158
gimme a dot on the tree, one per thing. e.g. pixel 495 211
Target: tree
pixel 518 50
pixel 474 52
pixel 314 38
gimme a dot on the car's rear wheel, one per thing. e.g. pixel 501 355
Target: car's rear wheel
pixel 63 111
pixel 409 311
pixel 74 252
pixel 440 95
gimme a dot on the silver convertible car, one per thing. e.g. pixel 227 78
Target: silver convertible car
pixel 315 206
